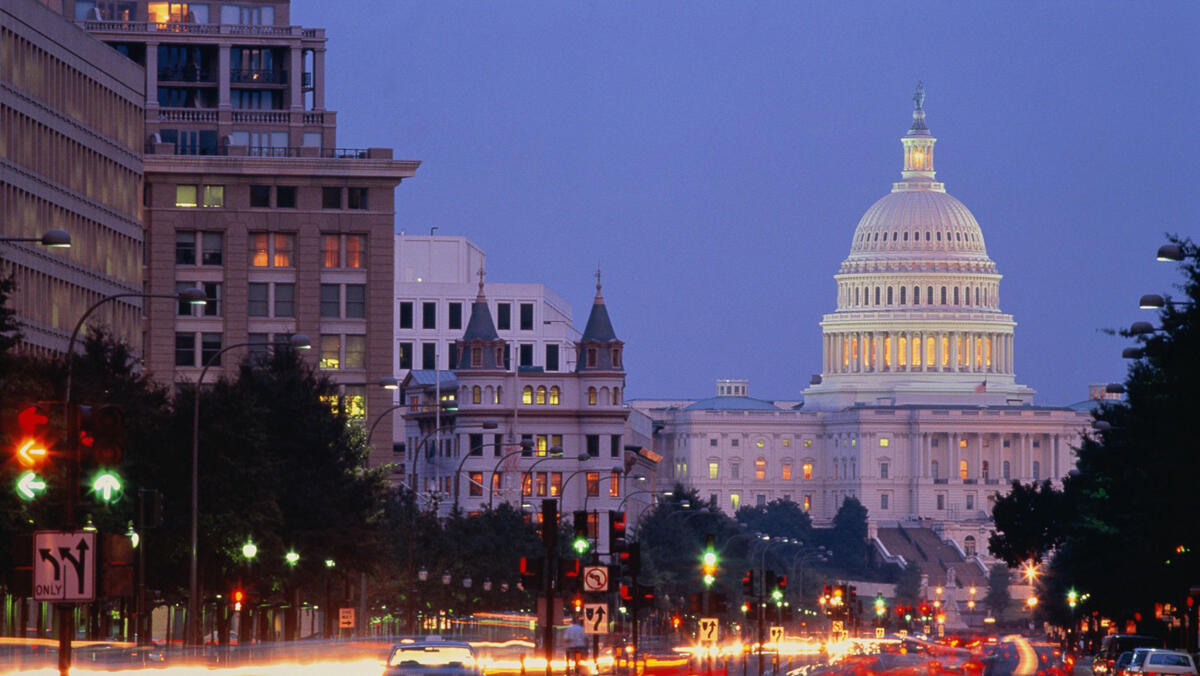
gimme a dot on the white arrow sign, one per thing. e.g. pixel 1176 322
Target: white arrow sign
pixel 595 618
pixel 776 634
pixel 64 566
pixel 710 630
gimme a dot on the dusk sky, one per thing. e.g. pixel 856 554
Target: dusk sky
pixel 714 159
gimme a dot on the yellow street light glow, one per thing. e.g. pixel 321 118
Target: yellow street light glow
pixel 1030 571
pixel 1031 601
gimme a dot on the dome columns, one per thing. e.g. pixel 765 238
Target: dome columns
pixel 917 351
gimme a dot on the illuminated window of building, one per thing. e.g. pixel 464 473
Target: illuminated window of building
pixel 945 351
pixel 785 469
pixel 185 196
pixel 845 352
pixel 854 348
pixel 760 469
pixel 527 395
pixel 556 440
pixel 476 484
pixel 962 469
pixel 356 251
pixel 591 396
pixel 541 395
pixel 593 484
pixel 555 484
pixel 988 354
pixel 214 196
pixel 355 402
pixel 555 395
pixel 979 352
pixel 807 504
pixel 330 251
pixel 614 485
pixel 284 243
pixel 962 443
pixel 542 485
pixel 476 395
pixel 714 469
pixel 543 442
pixel 930 352
pixel 526 484
pixel 760 443
pixel 499 394
pixel 787 443
pixel 902 351
pixel 883 442
pixel 807 443
pixel 331 349
pixel 916 351
pixel 806 471
pixel 356 352
pixel 735 501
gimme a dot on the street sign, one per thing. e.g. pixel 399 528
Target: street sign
pixel 941 631
pixel 878 632
pixel 776 634
pixel 838 627
pixel 595 578
pixel 710 630
pixel 64 566
pixel 345 618
pixel 595 618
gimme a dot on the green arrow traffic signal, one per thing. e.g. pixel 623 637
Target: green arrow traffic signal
pixel 30 485
pixel 107 486
pixel 581 545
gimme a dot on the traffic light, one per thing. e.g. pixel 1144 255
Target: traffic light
pixel 107 486
pixel 237 597
pixel 838 598
pixel 549 524
pixel 531 573
pixel 34 436
pixel 616 531
pixel 1073 597
pixel 580 542
pixel 748 583
pixel 568 571
pixel 632 558
pixel 880 606
pixel 708 564
pixel 769 588
pixel 102 434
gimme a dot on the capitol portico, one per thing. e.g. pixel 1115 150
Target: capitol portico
pixel 916 412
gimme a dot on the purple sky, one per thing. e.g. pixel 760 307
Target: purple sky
pixel 715 158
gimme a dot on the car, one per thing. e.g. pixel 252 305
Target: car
pixel 432 657
pixel 1121 666
pixel 1113 645
pixel 1156 661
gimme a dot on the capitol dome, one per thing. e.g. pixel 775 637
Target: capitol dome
pixel 918 316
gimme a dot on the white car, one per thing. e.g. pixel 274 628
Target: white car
pixel 432 658
pixel 1156 662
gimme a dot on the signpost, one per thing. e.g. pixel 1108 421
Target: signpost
pixel 878 632
pixel 595 578
pixel 64 566
pixel 595 618
pixel 776 634
pixel 710 630
pixel 345 618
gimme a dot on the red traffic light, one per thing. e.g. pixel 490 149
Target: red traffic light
pixel 238 596
pixel 34 436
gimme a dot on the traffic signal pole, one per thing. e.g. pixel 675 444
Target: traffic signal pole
pixel 550 541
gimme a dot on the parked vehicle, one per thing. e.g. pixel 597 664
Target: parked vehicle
pixel 1113 645
pixel 1159 662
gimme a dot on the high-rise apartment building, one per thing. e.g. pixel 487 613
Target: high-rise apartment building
pixel 70 159
pixel 249 198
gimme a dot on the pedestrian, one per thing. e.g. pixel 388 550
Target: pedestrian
pixel 576 644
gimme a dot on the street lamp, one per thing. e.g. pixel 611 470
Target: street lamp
pixel 53 239
pixel 526 446
pixel 1169 253
pixel 487 425
pixel 297 341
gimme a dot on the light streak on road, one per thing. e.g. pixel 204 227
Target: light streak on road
pixel 368 667
pixel 1027 659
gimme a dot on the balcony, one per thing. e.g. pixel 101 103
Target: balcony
pixel 970 481
pixel 185 74
pixel 284 152
pixel 261 116
pixel 258 76
pixel 187 115
pixel 200 29
pixel 941 481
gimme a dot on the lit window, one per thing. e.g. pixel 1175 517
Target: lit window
pixel 807 443
pixel 330 251
pixel 883 443
pixel 555 483
pixel 356 251
pixel 331 349
pixel 555 395
pixel 283 250
pixel 714 470
pixel 806 470
pixel 786 469
pixel 541 395
pixel 962 443
pixel 735 500
pixel 543 442
pixel 527 395
pixel 476 484
pixel 807 503
pixel 541 484
pixel 185 196
pixel 760 443
pixel 614 485
pixel 787 443
pixel 214 195
pixel 962 469
pixel 355 402
pixel 476 395
pixel 593 484
pixel 591 396
pixel 760 469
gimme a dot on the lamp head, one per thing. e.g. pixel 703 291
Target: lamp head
pixel 1169 252
pixel 56 239
pixel 1151 301
pixel 389 383
pixel 300 341
pixel 583 457
pixel 1133 353
pixel 194 296
pixel 1114 388
pixel 1141 328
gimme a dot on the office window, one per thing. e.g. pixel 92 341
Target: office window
pixel 541 484
pixel 883 500
pixel 356 251
pixel 429 315
pixel 786 470
pixel 185 349
pixel 555 395
pixel 256 300
pixel 883 470
pixel 260 252
pixel 476 484
pixel 185 196
pixel 212 296
pixel 735 501
pixel 406 315
pixel 331 251
pixel 429 355
pixel 551 357
pixel 354 400
pixel 806 471
pixel 760 469
pixel 356 198
pixel 406 355
pixel 356 352
pixel 185 247
pixel 455 318
pixel 526 316
pixel 593 484
pixel 614 446
pixel 283 244
pixel 285 300
pixel 525 354
pixel 331 352
pixel 212 244
pixel 593 445
pixel 260 196
pixel 356 301
pixel 540 395
pixel 330 300
pixel 503 316
pixel 214 196
pixel 271 249
pixel 331 198
pixel 614 485
pixel 714 469
pixel 210 347
pixel 285 196
pixel 527 395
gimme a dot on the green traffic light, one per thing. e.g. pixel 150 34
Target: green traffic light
pixel 709 580
pixel 710 558
pixel 30 485
pixel 777 595
pixel 107 486
pixel 581 545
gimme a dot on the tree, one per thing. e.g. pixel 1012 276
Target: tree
pixel 778 518
pixel 998 599
pixel 908 584
pixel 1135 473
pixel 849 537
pixel 10 326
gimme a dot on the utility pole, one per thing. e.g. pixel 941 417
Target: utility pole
pixel 550 542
